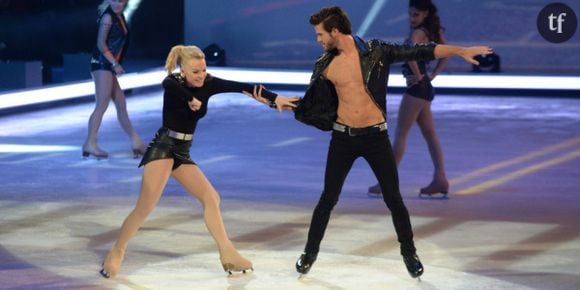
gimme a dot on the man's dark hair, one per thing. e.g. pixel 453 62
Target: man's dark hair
pixel 332 17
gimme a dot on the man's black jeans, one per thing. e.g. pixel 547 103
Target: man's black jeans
pixel 342 152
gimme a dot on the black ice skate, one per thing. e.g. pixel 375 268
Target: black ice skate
pixel 414 265
pixel 304 263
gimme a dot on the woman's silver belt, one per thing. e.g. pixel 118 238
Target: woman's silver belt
pixel 179 135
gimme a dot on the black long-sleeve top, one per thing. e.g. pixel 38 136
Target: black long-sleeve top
pixel 177 115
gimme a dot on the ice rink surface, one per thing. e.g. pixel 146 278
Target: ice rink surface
pixel 511 221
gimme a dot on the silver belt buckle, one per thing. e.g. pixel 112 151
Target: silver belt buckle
pixel 179 135
pixel 338 127
pixel 349 131
pixel 382 127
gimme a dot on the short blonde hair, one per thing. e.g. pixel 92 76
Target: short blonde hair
pixel 180 54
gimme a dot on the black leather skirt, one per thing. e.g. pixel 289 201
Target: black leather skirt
pixel 165 147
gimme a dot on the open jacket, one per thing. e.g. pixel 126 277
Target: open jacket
pixel 319 105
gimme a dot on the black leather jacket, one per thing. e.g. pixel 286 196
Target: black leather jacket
pixel 319 106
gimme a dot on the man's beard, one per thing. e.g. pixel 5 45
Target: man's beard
pixel 330 45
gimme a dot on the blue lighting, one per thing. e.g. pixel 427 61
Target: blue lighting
pixel 370 18
pixel 22 98
pixel 132 6
pixel 21 148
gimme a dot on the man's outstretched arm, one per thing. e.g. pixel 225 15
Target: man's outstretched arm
pixel 467 53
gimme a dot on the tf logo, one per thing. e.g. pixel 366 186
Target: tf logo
pixel 557 22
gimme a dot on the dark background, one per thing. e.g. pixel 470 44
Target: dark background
pixel 276 33
pixel 54 30
pixel 269 33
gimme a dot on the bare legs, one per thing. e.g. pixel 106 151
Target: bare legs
pixel 103 92
pixel 155 176
pixel 415 109
pixel 195 182
pixel 409 110
pixel 123 118
pixel 106 89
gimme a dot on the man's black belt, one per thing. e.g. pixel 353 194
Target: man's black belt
pixel 374 129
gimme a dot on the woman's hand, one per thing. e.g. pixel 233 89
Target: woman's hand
pixel 413 80
pixel 119 70
pixel 194 104
pixel 257 95
pixel 281 102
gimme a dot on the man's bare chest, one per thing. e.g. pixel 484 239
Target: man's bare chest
pixel 343 70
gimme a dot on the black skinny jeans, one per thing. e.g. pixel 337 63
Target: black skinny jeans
pixel 342 152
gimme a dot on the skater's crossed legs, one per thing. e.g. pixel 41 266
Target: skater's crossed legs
pixel 196 183
pixel 427 125
pixel 409 111
pixel 103 95
pixel 123 116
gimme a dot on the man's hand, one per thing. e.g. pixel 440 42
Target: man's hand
pixel 469 53
pixel 286 103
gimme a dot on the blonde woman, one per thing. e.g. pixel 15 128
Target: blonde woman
pixel 106 65
pixel 185 99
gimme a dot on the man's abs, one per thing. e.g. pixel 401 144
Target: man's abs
pixel 358 111
pixel 355 107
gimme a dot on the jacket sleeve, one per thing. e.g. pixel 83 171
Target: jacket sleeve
pixel 403 53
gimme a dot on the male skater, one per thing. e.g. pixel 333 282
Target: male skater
pixel 347 94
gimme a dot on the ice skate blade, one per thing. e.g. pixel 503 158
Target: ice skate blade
pixel 97 153
pixel 305 262
pixel 414 266
pixel 105 274
pixel 231 269
pixel 438 195
pixel 243 272
pixel 87 155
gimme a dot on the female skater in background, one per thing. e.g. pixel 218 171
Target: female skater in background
pixel 416 103
pixel 105 67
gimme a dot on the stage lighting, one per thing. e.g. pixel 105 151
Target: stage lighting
pixel 487 63
pixel 215 55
